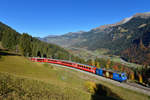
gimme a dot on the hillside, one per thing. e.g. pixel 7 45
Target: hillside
pixel 34 79
pixel 66 40
pixel 24 80
pixel 114 38
pixel 29 46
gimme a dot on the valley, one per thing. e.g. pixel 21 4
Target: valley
pixel 43 56
pixel 130 34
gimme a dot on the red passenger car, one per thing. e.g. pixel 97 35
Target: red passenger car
pixel 87 68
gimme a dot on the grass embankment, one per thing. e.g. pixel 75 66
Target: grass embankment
pixel 17 88
pixel 60 83
pixel 123 93
pixel 24 80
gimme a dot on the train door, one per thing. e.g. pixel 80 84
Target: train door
pixel 111 75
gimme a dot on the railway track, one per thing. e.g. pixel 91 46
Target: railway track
pixel 127 85
pixel 139 86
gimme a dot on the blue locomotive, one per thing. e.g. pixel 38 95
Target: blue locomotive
pixel 118 76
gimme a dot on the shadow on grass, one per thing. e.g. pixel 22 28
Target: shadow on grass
pixel 5 53
pixel 104 93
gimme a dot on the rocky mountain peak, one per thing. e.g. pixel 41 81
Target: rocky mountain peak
pixel 142 15
pixel 75 33
pixel 103 27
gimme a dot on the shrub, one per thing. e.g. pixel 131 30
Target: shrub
pixel 90 86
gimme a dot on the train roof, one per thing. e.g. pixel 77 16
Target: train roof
pixel 67 61
pixel 87 65
pixel 76 63
pixel 112 71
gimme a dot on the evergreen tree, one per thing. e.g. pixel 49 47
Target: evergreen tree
pixel 25 44
pixel 29 46
pixel 1 34
pixel 9 39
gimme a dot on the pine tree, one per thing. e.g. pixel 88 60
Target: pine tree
pixel 1 35
pixel 25 44
pixel 9 39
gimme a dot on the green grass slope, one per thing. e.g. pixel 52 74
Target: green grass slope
pixel 17 88
pixel 21 79
pixel 38 77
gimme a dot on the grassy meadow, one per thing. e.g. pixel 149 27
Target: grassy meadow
pixel 21 79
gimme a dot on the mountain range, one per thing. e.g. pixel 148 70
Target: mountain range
pixel 129 38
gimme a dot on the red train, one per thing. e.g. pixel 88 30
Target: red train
pixel 118 76
pixel 88 68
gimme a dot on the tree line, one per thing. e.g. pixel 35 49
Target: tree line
pixel 29 46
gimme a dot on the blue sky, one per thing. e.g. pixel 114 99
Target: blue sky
pixel 55 17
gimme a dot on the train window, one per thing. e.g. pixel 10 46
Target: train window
pixel 50 60
pixel 39 59
pixel 123 75
pixel 67 63
pixel 88 68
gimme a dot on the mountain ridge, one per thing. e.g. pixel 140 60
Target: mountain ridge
pixel 116 38
pixel 97 29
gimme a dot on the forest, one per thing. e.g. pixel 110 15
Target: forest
pixel 29 46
